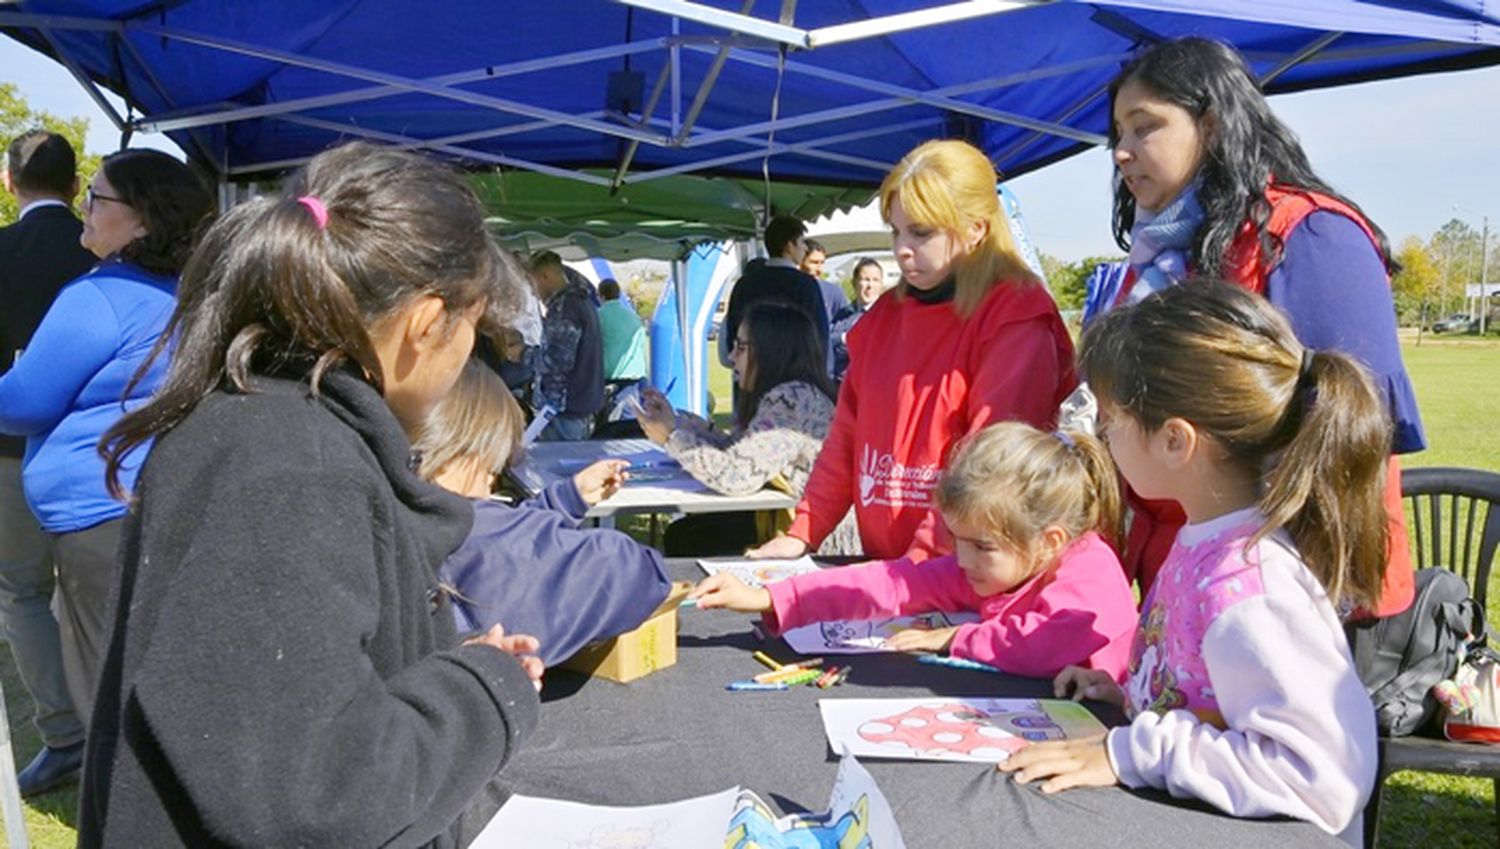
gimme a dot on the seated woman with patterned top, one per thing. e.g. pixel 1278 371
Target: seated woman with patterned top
pixel 786 410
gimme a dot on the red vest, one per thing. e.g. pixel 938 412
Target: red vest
pixel 1156 523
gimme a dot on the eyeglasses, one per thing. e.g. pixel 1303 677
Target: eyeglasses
pixel 89 196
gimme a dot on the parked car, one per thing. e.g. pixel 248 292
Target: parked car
pixel 1454 323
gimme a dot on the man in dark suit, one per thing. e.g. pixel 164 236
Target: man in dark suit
pixel 778 279
pixel 39 254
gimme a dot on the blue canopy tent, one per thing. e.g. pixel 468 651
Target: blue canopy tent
pixel 621 93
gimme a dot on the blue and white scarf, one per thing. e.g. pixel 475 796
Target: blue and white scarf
pixel 1160 243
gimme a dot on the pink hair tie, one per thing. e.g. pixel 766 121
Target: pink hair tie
pixel 318 210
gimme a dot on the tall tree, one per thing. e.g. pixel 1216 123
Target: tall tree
pixel 1068 280
pixel 17 116
pixel 1419 282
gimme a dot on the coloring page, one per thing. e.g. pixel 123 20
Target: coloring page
pixel 758 573
pixel 528 822
pixel 840 637
pixel 968 730
pixel 858 817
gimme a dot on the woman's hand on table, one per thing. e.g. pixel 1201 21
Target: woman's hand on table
pixel 1083 762
pixel 779 548
pixel 600 480
pixel 1078 683
pixel 656 416
pixel 521 646
pixel 726 591
pixel 922 639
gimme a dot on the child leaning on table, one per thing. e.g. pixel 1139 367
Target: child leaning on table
pixel 1026 510
pixel 1242 691
pixel 531 567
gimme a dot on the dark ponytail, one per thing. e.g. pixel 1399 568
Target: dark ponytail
pixel 1315 437
pixel 294 284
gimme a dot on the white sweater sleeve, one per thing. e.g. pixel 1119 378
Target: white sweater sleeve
pixel 1301 731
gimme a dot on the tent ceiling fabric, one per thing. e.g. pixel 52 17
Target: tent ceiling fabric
pixel 252 86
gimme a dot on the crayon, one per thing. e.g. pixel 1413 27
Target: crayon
pixel 826 679
pixel 805 664
pixel 783 674
pixel 739 686
pixel 671 383
pixel 841 677
pixel 689 602
pixel 766 659
pixel 804 677
pixel 955 662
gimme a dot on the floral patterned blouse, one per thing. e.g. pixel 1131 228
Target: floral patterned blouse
pixel 783 438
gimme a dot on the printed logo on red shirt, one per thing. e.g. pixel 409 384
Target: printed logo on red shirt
pixel 884 481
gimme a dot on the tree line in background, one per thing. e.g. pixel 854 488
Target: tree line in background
pixel 17 117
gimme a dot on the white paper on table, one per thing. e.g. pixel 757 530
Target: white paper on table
pixel 758 573
pixel 841 637
pixel 647 459
pixel 529 822
pixel 950 728
pixel 857 815
pixel 543 416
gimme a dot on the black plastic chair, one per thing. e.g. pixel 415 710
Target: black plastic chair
pixel 1455 524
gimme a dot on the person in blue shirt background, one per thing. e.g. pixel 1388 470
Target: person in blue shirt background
pixel 78 375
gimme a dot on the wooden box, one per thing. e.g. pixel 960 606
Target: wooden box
pixel 637 653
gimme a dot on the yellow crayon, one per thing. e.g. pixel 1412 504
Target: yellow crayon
pixel 766 659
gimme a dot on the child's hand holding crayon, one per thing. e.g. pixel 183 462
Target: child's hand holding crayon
pixel 1077 683
pixel 600 480
pixel 726 591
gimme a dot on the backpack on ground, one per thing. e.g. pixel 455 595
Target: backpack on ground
pixel 1401 657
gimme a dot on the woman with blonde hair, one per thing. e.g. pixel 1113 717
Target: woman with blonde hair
pixel 969 337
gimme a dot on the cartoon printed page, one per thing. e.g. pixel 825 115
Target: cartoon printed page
pixel 528 822
pixel 858 815
pixel 841 637
pixel 942 728
pixel 758 573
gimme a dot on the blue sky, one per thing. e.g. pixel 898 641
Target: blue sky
pixel 1408 151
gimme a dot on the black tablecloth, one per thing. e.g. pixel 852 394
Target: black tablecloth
pixel 678 733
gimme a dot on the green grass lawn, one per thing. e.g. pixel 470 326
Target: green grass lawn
pixel 1457 390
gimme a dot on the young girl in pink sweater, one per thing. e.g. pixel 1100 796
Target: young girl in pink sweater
pixel 1029 513
pixel 1241 690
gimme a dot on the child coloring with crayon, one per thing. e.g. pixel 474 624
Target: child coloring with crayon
pixel 1029 513
pixel 1241 689
pixel 532 566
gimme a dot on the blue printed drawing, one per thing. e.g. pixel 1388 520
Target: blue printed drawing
pixel 755 827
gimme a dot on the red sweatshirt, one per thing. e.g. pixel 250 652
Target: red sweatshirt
pixel 920 378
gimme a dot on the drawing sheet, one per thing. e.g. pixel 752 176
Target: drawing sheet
pixel 858 815
pixel 758 573
pixel 841 637
pixel 529 822
pixel 947 728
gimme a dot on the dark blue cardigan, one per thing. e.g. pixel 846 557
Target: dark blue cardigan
pixel 535 570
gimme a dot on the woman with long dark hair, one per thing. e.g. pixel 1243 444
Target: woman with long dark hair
pixel 1210 183
pixel 785 409
pixel 78 375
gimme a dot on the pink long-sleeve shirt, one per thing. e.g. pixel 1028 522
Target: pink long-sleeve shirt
pixel 1079 612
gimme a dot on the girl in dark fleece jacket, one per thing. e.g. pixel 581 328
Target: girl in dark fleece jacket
pixel 283 670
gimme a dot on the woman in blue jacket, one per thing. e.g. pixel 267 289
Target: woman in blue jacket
pixel 79 375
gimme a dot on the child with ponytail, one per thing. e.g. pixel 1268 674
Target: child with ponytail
pixel 1241 689
pixel 283 669
pixel 1032 516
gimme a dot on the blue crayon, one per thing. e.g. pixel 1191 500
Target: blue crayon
pixel 955 662
pixel 671 383
pixel 753 685
pixel 689 602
